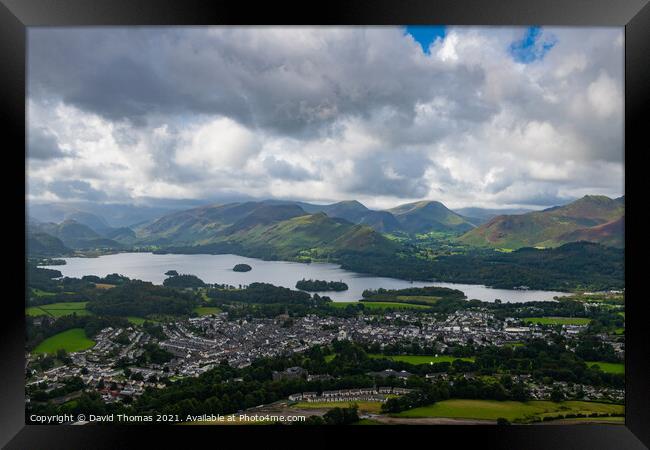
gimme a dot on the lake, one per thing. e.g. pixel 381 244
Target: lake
pixel 218 269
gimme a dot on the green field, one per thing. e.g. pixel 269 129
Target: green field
pixel 558 320
pixel 72 340
pixel 420 359
pixel 58 309
pixel 367 422
pixel 206 310
pixel 418 298
pixel 41 293
pixel 379 305
pixel 135 320
pixel 608 367
pixel 511 410
pixel 373 407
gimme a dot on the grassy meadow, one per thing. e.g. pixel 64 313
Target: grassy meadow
pixel 73 340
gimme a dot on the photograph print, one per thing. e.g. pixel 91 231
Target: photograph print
pixel 325 225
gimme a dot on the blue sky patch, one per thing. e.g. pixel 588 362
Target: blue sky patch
pixel 533 46
pixel 426 34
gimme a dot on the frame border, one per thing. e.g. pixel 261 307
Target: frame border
pixel 16 15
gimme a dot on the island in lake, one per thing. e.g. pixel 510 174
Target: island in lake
pixel 321 285
pixel 242 268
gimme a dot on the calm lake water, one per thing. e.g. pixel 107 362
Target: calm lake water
pixel 218 269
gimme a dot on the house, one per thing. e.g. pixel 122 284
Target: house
pixel 292 373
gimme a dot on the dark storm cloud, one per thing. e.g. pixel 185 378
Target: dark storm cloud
pixel 76 190
pixel 402 177
pixel 284 170
pixel 42 144
pixel 137 74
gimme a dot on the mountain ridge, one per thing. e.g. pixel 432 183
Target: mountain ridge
pixel 550 227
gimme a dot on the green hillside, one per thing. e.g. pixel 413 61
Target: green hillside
pixel 584 219
pixel 43 244
pixel 267 230
pixel 426 216
pixel 75 235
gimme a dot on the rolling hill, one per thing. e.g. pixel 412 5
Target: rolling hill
pixel 262 229
pixel 426 216
pixel 478 216
pixel 592 218
pixel 74 235
pixel 43 244
pixel 355 212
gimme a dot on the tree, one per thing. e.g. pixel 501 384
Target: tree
pixel 556 394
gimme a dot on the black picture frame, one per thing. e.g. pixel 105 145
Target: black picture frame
pixel 16 15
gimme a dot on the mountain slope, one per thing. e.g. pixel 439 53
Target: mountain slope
pixel 549 227
pixel 75 235
pixel 43 244
pixel 478 216
pixel 263 229
pixel 610 233
pixel 352 211
pixel 426 216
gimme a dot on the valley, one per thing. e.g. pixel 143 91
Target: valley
pixel 422 241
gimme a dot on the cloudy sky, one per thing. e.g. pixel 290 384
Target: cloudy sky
pixel 492 117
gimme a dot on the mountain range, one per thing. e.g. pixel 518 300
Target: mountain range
pixel 594 218
pixel 286 229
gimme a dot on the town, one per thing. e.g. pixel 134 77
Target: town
pixel 117 369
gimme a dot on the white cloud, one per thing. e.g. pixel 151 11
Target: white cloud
pixel 325 114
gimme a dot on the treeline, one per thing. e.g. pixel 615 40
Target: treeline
pixel 460 387
pixel 321 285
pixel 39 278
pixel 140 298
pixel 580 265
pixel 264 293
pixel 113 278
pixel 183 281
pixel 393 295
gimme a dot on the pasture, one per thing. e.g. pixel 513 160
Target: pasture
pixel 58 309
pixel 608 367
pixel 206 310
pixel 73 340
pixel 511 410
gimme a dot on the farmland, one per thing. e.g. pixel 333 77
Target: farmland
pixel 511 410
pixel 73 340
pixel 58 309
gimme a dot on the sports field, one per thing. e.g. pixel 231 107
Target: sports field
pixel 73 340
pixel 58 309
pixel 421 359
pixel 511 410
pixel 558 320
